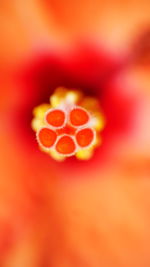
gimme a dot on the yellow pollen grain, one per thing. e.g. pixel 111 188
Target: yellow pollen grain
pixel 84 154
pixel 56 155
pixel 38 113
pixel 36 124
pixel 73 97
pixel 58 97
pixel 40 110
pixel 99 121
pixel 62 95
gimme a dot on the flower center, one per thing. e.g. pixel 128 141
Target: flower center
pixel 70 125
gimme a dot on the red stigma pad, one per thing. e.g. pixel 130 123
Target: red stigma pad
pixel 47 137
pixel 78 117
pixel 55 117
pixel 85 137
pixel 66 145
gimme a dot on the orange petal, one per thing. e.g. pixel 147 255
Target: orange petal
pixel 47 137
pixel 85 137
pixel 55 117
pixel 78 116
pixel 66 145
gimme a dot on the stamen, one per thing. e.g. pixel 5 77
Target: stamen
pixel 55 117
pixel 85 137
pixel 69 125
pixel 79 116
pixel 46 137
pixel 66 145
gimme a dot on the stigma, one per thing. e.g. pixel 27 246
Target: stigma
pixel 70 125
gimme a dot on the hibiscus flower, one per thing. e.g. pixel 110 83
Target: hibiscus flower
pixel 77 212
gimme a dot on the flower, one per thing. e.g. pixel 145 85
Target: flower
pixel 74 213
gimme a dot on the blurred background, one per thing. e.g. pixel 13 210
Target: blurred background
pixel 92 213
